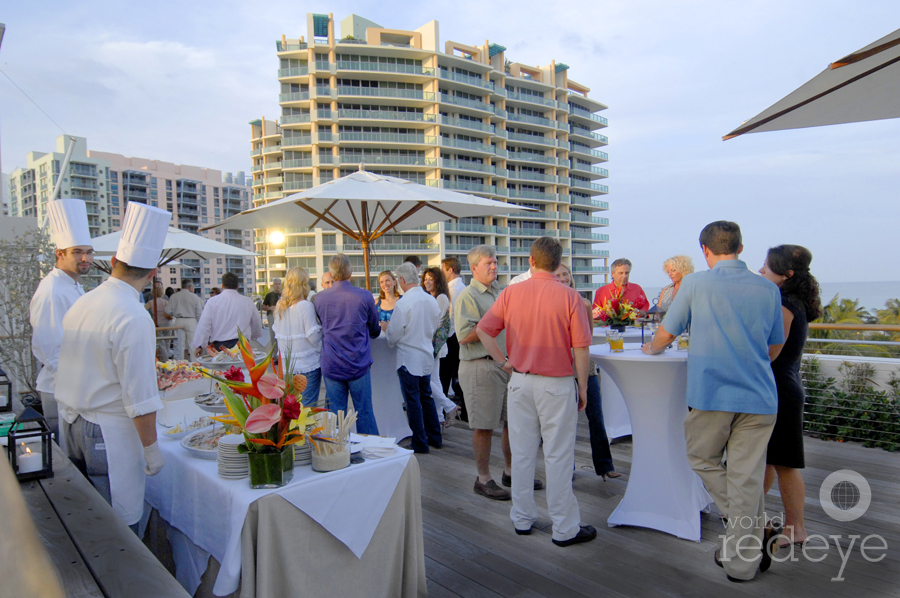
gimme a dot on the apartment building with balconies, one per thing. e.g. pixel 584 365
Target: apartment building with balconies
pixel 107 182
pixel 454 116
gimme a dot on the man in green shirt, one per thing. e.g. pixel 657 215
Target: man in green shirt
pixel 482 379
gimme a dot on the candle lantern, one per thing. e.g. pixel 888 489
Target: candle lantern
pixel 5 392
pixel 30 446
pixel 654 317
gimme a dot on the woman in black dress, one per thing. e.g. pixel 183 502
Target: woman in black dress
pixel 788 267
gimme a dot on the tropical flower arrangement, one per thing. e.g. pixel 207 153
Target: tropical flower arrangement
pixel 268 409
pixel 615 312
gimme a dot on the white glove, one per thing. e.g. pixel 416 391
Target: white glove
pixel 154 459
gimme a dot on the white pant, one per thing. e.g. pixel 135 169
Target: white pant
pixel 443 404
pixel 539 406
pixel 190 327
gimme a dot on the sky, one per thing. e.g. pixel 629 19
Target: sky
pixel 180 81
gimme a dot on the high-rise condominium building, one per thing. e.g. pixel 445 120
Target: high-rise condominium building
pixel 454 116
pixel 107 182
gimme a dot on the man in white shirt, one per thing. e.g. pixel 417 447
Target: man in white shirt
pixel 57 293
pixel 223 315
pixel 451 268
pixel 185 308
pixel 411 330
pixel 109 399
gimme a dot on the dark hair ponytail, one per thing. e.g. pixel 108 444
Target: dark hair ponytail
pixel 801 288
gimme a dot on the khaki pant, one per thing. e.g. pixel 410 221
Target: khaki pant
pixel 736 486
pixel 190 327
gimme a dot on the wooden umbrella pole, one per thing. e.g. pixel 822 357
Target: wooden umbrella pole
pixel 364 241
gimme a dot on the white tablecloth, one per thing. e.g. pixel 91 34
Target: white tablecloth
pixel 663 491
pixel 210 510
pixel 615 412
pixel 387 400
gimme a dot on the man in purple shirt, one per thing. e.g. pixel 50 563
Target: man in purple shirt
pixel 349 319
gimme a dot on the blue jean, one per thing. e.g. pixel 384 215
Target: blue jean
pixel 420 411
pixel 313 383
pixel 600 453
pixel 361 391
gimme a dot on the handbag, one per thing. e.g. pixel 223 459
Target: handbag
pixel 440 335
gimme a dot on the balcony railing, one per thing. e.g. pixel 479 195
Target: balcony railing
pixel 387 137
pixel 592 252
pixel 582 201
pixel 462 186
pixel 303 163
pixel 537 158
pixel 583 149
pixel 374 160
pixel 299 140
pixel 467 124
pixel 534 120
pixel 460 78
pixel 586 133
pixel 292 119
pixel 589 185
pixel 386 115
pixel 517 194
pixel 472 228
pixel 536 232
pixel 577 234
pixel 524 97
pixel 289 47
pixel 478 105
pixel 468 145
pixel 587 114
pixel 539 215
pixel 383 67
pixel 590 220
pixel 294 96
pixel 299 71
pixel 384 92
pixel 539 139
pixel 466 165
pixel 527 175
pixel 395 247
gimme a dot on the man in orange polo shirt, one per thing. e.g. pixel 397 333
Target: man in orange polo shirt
pixel 544 321
pixel 621 289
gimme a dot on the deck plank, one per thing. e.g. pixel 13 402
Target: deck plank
pixel 471 549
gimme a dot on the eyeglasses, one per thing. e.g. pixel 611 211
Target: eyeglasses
pixel 79 253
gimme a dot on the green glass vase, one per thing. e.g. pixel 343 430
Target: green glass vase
pixel 272 469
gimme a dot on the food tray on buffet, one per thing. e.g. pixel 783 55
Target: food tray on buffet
pixel 180 430
pixel 203 443
pixel 227 358
pixel 213 402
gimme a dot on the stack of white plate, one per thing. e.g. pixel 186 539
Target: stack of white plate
pixel 303 454
pixel 232 464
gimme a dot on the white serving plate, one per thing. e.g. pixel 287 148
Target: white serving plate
pixel 199 453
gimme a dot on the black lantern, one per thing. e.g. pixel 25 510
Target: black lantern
pixel 653 319
pixel 30 446
pixel 5 392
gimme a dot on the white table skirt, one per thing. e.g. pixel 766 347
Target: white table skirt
pixel 663 491
pixel 615 412
pixel 387 400
pixel 210 510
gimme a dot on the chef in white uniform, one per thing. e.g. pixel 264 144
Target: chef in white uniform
pixel 109 400
pixel 57 292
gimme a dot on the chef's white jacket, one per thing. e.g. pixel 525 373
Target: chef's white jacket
pixel 107 375
pixel 56 293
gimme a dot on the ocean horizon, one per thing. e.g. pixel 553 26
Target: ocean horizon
pixel 871 295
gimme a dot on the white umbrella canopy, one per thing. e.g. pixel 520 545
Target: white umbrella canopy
pixel 365 206
pixel 179 245
pixel 862 86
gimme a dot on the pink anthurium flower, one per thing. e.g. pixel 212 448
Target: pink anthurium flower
pixel 271 387
pixel 263 418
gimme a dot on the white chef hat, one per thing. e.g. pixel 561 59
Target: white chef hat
pixel 68 223
pixel 143 235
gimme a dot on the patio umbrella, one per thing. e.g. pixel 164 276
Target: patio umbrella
pixel 179 245
pixel 364 206
pixel 862 86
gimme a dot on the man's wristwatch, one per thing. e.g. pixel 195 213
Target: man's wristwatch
pixel 503 365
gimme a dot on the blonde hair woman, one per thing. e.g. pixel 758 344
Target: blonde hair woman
pixel 677 268
pixel 298 332
pixel 387 297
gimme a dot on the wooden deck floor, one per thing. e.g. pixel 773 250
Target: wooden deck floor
pixel 471 550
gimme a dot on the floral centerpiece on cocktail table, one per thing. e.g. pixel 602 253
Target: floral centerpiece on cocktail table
pixel 616 313
pixel 269 411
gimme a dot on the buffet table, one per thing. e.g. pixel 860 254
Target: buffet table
pixel 313 536
pixel 663 491
pixel 615 413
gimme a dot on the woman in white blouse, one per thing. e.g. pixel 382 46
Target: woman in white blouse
pixel 299 334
